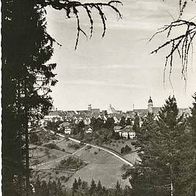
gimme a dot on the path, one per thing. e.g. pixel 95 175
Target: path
pixel 86 144
pixel 104 149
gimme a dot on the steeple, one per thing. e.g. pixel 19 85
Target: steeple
pixel 150 105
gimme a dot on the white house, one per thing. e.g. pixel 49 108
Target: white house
pixel 89 130
pixel 127 132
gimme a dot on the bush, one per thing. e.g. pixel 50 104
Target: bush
pixel 88 147
pixel 52 146
pixel 71 163
pixel 74 146
pixel 126 149
pixel 126 174
pixel 34 139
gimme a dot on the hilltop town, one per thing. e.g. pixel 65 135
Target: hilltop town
pixel 123 121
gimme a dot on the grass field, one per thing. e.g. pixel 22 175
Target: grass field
pixel 101 166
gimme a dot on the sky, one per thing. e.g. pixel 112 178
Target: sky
pixel 117 69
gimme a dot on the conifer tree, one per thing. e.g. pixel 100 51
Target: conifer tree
pixel 122 121
pixel 187 176
pixel 118 189
pixel 160 151
pixel 74 186
pixel 27 78
pixel 92 187
pixel 99 188
pixel 136 124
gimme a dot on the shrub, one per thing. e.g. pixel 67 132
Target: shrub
pixel 34 139
pixel 52 146
pixel 71 163
pixel 126 149
pixel 74 146
pixel 88 147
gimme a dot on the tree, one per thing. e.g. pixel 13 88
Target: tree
pixel 136 124
pixel 99 186
pixel 160 149
pixel 179 45
pixel 74 186
pixel 109 124
pixel 122 122
pixel 188 160
pixel 118 189
pixel 26 81
pixel 27 78
pixel 128 121
pixel 92 187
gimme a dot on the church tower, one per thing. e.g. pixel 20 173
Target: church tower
pixel 150 105
pixel 89 107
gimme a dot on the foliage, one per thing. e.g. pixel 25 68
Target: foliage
pixel 188 160
pixel 136 124
pixel 125 150
pixel 160 144
pixel 52 146
pixel 71 163
pixel 109 124
pixel 122 122
pixel 53 126
pixel 26 82
pixel 26 77
pixel 74 146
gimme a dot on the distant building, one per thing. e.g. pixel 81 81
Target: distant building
pixel 150 106
pixel 127 132
pixel 88 129
pixel 117 128
pixel 66 127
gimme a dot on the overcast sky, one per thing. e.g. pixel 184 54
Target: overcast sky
pixel 117 69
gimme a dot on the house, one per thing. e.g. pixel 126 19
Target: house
pixel 88 130
pixel 53 118
pixel 127 132
pixel 66 127
pixel 117 128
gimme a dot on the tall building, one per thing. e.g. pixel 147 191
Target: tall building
pixel 90 107
pixel 150 105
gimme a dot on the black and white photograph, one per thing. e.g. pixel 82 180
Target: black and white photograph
pixel 98 98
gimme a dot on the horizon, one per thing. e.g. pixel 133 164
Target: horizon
pixel 118 109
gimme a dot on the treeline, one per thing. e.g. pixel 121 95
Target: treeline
pixel 167 147
pixel 79 188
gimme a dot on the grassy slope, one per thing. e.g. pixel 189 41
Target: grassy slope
pixel 102 166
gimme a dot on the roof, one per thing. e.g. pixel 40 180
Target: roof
pixel 127 129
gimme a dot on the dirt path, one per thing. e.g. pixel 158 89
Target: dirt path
pixel 104 149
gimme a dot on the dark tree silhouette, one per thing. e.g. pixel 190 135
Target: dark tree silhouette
pixel 160 145
pixel 27 78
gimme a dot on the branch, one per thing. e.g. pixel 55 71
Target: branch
pixel 71 7
pixel 180 44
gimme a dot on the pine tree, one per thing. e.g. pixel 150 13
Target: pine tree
pixel 160 147
pixel 27 78
pixel 79 182
pixel 187 176
pixel 122 122
pixel 99 188
pixel 74 186
pixel 136 124
pixel 92 187
pixel 118 189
